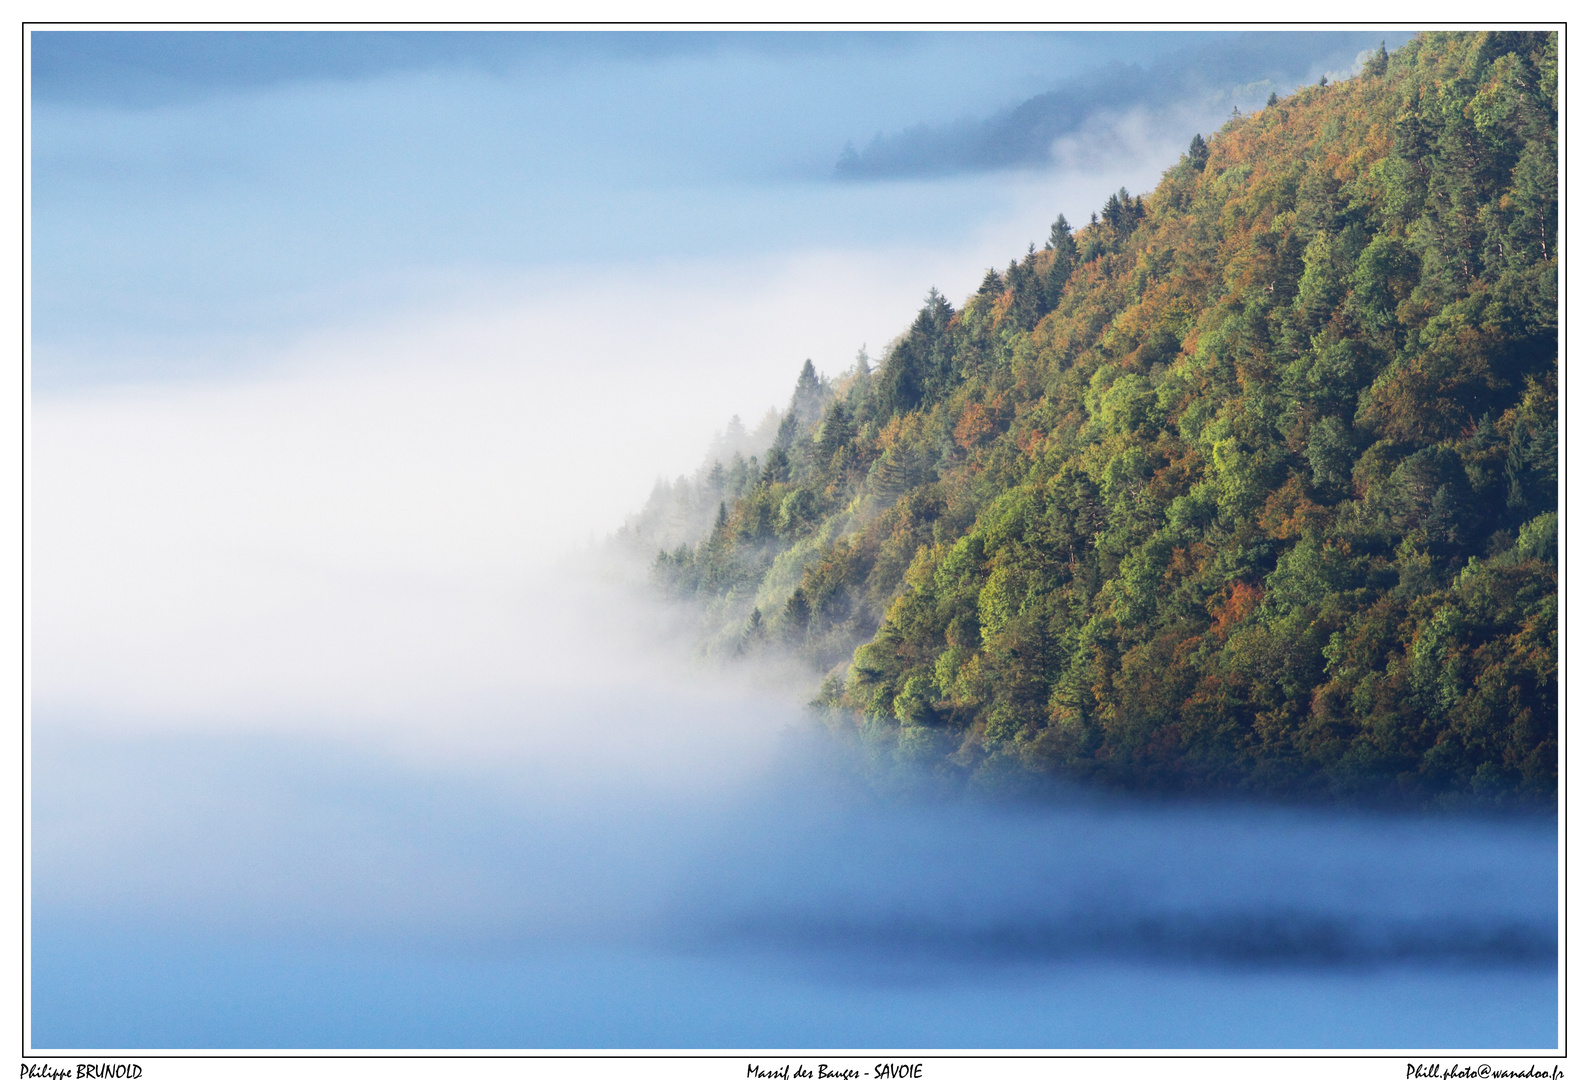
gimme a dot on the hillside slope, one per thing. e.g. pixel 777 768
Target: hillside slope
pixel 1248 484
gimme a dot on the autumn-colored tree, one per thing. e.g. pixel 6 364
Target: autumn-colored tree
pixel 1248 484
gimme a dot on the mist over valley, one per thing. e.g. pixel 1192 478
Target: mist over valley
pixel 1146 641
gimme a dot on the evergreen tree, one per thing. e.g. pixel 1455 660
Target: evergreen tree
pixel 777 468
pixel 1065 256
pixel 755 633
pixel 1378 63
pixel 862 397
pixel 806 403
pixel 796 616
pixel 806 385
pixel 918 366
pixel 836 431
pixel 1112 212
pixel 788 429
pixel 1121 213
pixel 1059 234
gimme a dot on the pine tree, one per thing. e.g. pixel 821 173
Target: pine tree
pixel 1112 212
pixel 1058 234
pixel 805 405
pixel 1064 248
pixel 862 395
pixel 1378 63
pixel 918 366
pixel 1121 213
pixel 836 432
pixel 787 429
pixel 755 634
pixel 807 382
pixel 796 616
pixel 777 468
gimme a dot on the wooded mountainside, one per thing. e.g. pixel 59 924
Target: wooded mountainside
pixel 1249 484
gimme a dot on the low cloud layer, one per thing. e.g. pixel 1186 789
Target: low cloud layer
pixel 357 522
pixel 771 845
pixel 565 897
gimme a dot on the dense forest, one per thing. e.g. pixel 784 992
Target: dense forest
pixel 1247 484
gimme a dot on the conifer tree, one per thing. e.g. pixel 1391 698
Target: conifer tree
pixel 796 616
pixel 777 467
pixel 1378 63
pixel 1059 235
pixel 1063 245
pixel 1112 212
pixel 836 431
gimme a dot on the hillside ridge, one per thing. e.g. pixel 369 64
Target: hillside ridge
pixel 1247 484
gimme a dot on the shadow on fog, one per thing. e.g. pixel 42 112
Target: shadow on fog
pixel 248 892
pixel 798 857
pixel 818 868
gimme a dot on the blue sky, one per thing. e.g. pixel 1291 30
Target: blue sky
pixel 202 198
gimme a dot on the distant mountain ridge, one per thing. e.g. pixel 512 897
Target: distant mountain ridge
pixel 1238 70
pixel 1249 484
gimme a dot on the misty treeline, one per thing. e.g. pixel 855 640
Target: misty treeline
pixel 1247 484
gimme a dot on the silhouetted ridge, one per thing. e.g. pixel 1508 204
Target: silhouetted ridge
pixel 1238 70
pixel 1247 484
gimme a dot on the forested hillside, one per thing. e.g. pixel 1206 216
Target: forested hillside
pixel 1247 484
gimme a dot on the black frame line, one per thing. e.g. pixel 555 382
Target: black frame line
pixel 27 1053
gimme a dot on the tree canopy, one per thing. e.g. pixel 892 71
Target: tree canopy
pixel 1249 484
